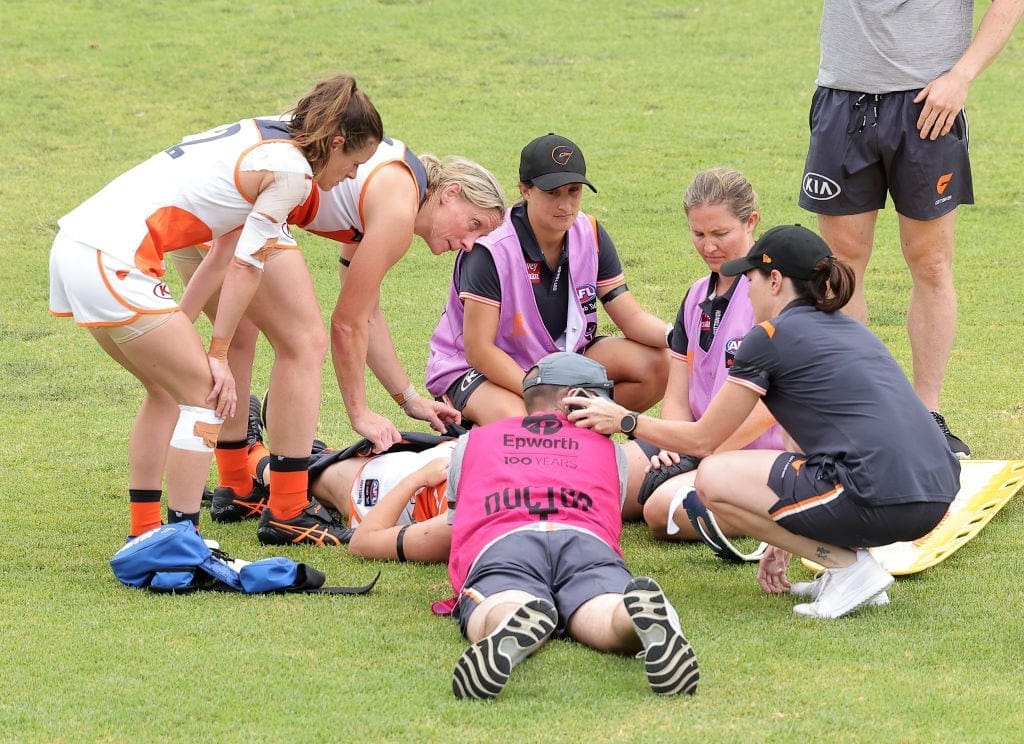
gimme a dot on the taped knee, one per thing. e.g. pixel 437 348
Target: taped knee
pixel 197 429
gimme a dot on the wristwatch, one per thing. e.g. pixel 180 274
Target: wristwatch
pixel 628 424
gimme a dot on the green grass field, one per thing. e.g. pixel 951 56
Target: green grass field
pixel 653 91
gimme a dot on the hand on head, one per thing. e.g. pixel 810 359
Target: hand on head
pixel 596 413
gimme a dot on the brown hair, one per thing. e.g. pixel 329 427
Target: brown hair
pixel 830 286
pixel 334 107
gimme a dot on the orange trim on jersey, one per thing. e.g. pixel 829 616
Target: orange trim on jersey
pixel 55 314
pixel 347 236
pixel 238 165
pixel 303 214
pixel 463 296
pixel 597 240
pixel 611 283
pixel 369 178
pixel 168 228
pixel 768 328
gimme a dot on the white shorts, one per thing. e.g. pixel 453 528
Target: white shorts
pixel 99 290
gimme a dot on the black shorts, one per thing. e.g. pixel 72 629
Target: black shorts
pixel 567 567
pixel 864 146
pixel 814 503
pixel 457 394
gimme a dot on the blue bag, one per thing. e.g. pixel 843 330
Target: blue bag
pixel 175 558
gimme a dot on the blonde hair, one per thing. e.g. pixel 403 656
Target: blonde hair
pixel 479 187
pixel 334 107
pixel 722 186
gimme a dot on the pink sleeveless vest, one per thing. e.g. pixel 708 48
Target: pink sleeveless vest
pixel 521 331
pixel 539 471
pixel 710 368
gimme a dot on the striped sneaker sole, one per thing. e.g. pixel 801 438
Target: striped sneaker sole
pixel 671 664
pixel 483 669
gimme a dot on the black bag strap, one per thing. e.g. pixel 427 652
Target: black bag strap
pixel 307 583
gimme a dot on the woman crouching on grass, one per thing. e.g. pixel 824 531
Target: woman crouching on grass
pixel 838 392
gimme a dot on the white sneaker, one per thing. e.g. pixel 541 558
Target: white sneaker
pixel 811 589
pixel 843 590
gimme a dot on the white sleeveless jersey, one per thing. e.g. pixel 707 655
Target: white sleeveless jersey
pixel 382 473
pixel 184 196
pixel 338 214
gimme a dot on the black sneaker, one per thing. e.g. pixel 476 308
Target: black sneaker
pixel 671 665
pixel 255 430
pixel 484 668
pixel 956 444
pixel 313 526
pixel 228 506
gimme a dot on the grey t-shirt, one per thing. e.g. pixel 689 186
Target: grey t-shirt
pixel 836 389
pixel 884 46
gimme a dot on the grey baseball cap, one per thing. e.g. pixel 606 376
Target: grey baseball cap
pixel 566 369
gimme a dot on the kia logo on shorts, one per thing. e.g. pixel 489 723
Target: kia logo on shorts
pixel 162 291
pixel 820 187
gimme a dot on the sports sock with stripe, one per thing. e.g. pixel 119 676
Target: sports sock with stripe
pixel 259 458
pixel 143 510
pixel 233 466
pixel 289 483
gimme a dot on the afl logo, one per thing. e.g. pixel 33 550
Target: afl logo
pixel 731 346
pixel 819 187
pixel 162 291
pixel 561 154
pixel 545 424
pixel 586 293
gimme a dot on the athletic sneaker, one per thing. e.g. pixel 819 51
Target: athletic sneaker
pixel 843 590
pixel 671 663
pixel 483 669
pixel 313 526
pixel 228 506
pixel 254 433
pixel 956 444
pixel 811 589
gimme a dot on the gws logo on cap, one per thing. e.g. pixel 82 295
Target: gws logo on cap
pixel 765 258
pixel 561 154
pixel 819 187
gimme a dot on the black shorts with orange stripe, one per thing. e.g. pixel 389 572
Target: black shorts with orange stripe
pixel 814 502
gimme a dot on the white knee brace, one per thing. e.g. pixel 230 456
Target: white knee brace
pixel 197 429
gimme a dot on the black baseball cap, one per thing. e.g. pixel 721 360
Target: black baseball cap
pixel 552 161
pixel 792 250
pixel 566 369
